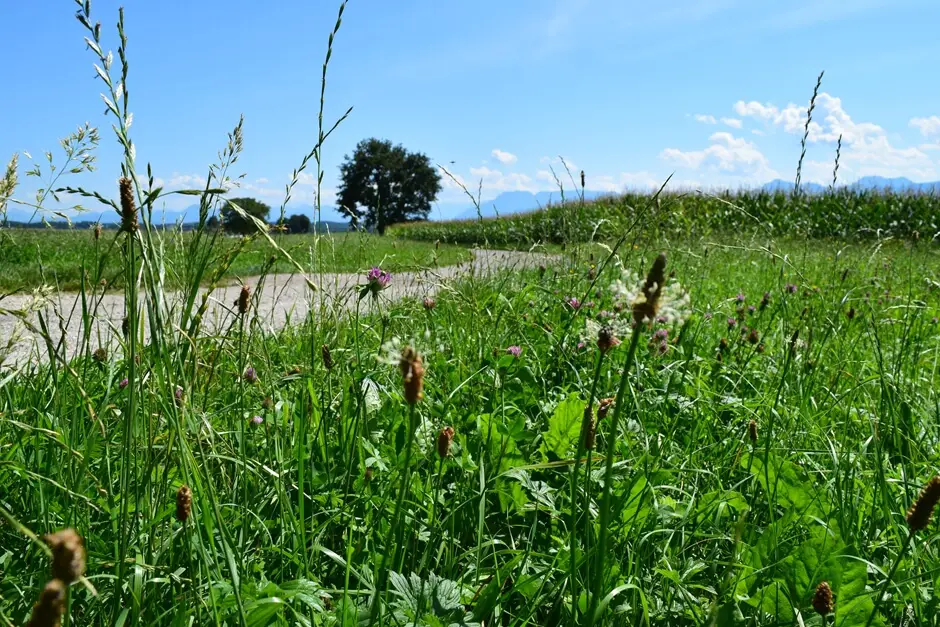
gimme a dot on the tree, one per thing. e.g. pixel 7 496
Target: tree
pixel 232 222
pixel 298 223
pixel 212 223
pixel 383 184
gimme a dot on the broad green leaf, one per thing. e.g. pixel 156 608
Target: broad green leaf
pixel 564 428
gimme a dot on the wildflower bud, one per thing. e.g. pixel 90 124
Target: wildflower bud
pixel 918 516
pixel 242 301
pixel 444 438
pixel 850 313
pixel 126 326
pixel 128 209
pixel 753 337
pixel 604 406
pixel 765 301
pixel 429 303
pixel 412 373
pixel 48 609
pixel 68 555
pixel 327 357
pixel 645 308
pixel 606 339
pixel 267 403
pixel 251 375
pixel 184 503
pixel 822 600
pixel 100 355
pixel 752 431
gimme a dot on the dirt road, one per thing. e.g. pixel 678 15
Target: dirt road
pixel 282 299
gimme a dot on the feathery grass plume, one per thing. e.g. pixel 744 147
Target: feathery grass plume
pixel 752 431
pixel 128 208
pixel 68 555
pixel 835 169
pixel 444 438
pixel 809 119
pixel 184 503
pixel 606 339
pixel 918 516
pixel 412 373
pixel 242 301
pixel 327 357
pixel 645 307
pixel 48 609
pixel 822 600
pixel 8 182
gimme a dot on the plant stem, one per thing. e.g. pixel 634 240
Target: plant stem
pixel 611 443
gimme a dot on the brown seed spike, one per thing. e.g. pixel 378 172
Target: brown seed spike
pixel 68 555
pixel 412 373
pixel 242 301
pixel 184 503
pixel 48 609
pixel 822 600
pixel 645 309
pixel 128 208
pixel 752 431
pixel 444 438
pixel 918 516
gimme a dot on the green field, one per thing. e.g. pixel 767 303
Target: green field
pixel 846 214
pixel 311 487
pixel 61 258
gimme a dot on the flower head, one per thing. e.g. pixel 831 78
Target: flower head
pixel 377 280
pixel 573 302
pixel 429 303
pixel 68 555
pixel 257 420
pixel 184 503
pixel 444 438
pixel 123 383
pixel 515 351
pixel 412 372
pixel 790 288
pixel 48 609
pixel 740 297
pixel 251 375
pixel 822 599
pixel 606 339
pixel 918 516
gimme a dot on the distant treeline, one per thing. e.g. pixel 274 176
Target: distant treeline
pixel 844 213
pixel 76 225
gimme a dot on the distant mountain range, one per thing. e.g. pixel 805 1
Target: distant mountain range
pixel 866 183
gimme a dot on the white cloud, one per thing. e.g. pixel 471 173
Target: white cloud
pixel 705 119
pixel 727 154
pixel 262 181
pixel 503 157
pixel 732 122
pixel 758 132
pixel 928 126
pixel 188 181
pixel 496 181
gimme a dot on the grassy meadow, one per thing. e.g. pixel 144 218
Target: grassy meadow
pixel 699 411
pixel 67 259
pixel 769 432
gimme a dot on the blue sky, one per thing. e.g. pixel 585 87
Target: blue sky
pixel 711 91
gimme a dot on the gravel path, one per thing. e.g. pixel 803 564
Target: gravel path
pixel 282 299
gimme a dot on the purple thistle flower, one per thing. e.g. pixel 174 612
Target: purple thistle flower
pixel 663 347
pixel 573 302
pixel 732 322
pixel 257 420
pixel 708 315
pixel 378 279
pixel 178 394
pixel 123 383
pixel 791 288
pixel 661 334
pixel 751 308
pixel 515 351
pixel 429 303
pixel 740 297
pixel 251 375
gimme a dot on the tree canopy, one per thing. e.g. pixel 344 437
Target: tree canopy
pixel 232 222
pixel 298 223
pixel 382 184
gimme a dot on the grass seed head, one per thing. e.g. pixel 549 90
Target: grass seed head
pixel 822 600
pixel 327 357
pixel 444 438
pixel 184 503
pixel 412 372
pixel 588 428
pixel 604 406
pixel 918 516
pixel 128 208
pixel 752 431
pixel 97 231
pixel 606 339
pixel 68 555
pixel 48 609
